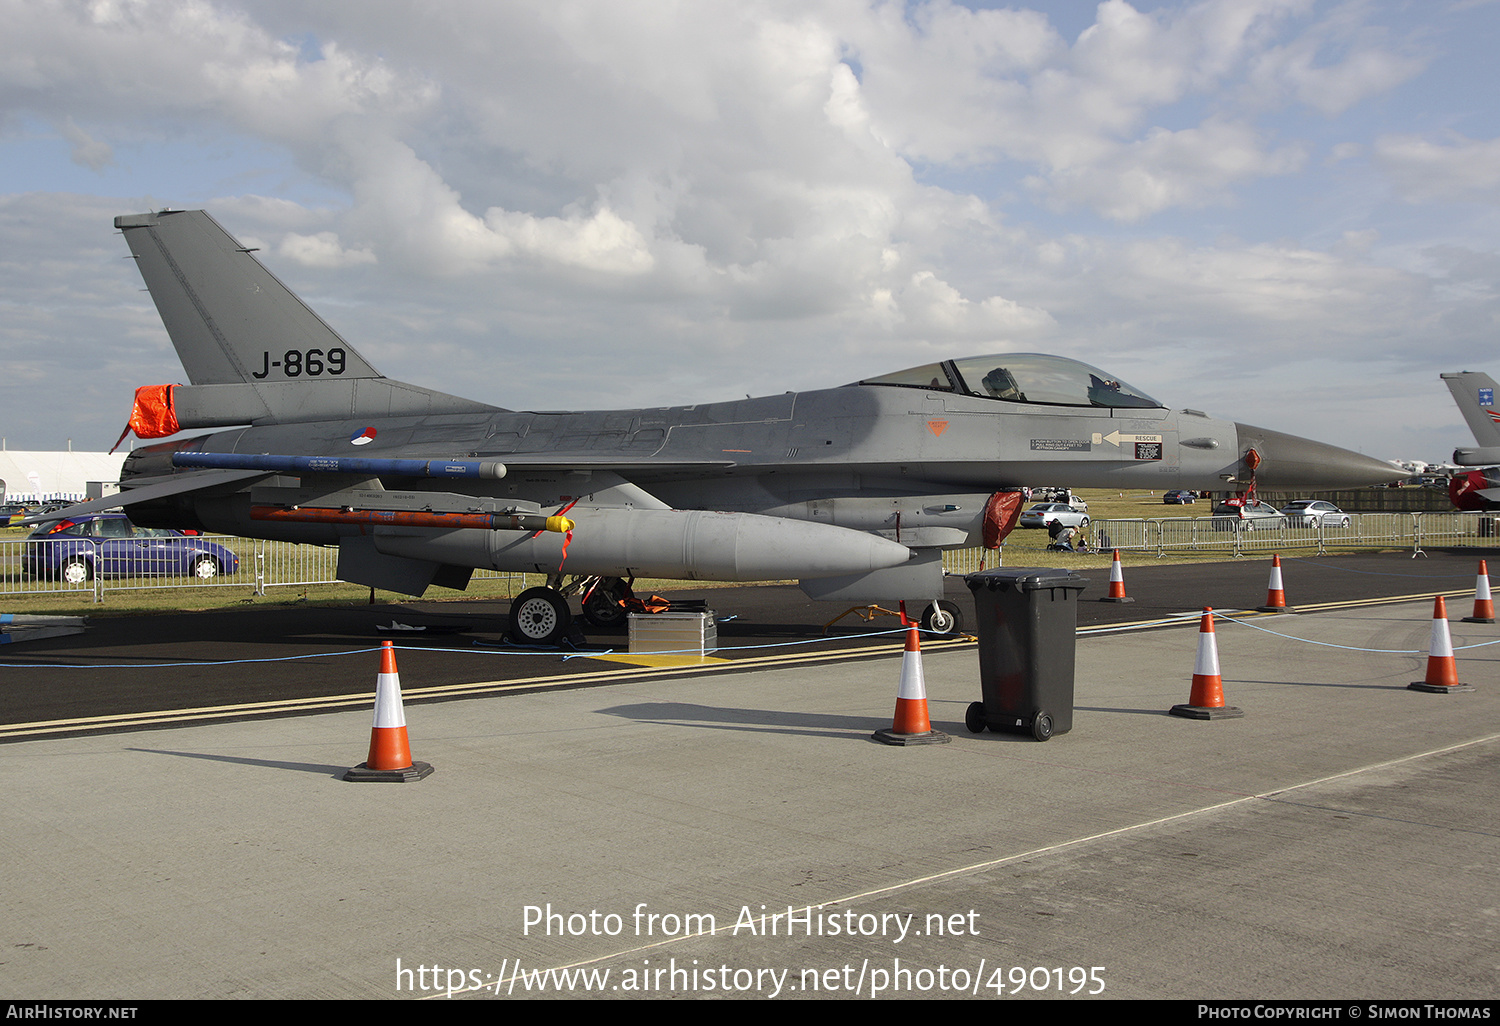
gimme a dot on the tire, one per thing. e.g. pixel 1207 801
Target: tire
pixel 1084 524
pixel 76 571
pixel 601 607
pixel 1041 726
pixel 942 617
pixel 974 718
pixel 205 568
pixel 539 616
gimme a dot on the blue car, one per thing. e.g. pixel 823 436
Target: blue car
pixel 75 550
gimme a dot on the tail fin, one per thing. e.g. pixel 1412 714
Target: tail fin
pixel 228 316
pixel 1475 395
pixel 253 351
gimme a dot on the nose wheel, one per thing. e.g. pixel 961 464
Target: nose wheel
pixel 943 617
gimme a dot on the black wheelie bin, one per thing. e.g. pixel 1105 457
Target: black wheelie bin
pixel 1028 618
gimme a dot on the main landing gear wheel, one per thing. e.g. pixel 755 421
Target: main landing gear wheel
pixel 942 617
pixel 539 616
pixel 601 606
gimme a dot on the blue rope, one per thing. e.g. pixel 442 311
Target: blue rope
pixel 1349 648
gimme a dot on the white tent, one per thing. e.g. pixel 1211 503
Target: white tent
pixel 55 476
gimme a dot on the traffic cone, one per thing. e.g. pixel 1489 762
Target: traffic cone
pixel 1206 700
pixel 911 725
pixel 1275 593
pixel 1484 608
pixel 1116 583
pixel 390 751
pixel 1442 671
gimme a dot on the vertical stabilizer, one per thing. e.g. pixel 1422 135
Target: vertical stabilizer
pixel 229 318
pixel 254 352
pixel 1475 395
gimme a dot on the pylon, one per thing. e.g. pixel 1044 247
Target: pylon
pixel 1275 593
pixel 390 751
pixel 1442 671
pixel 1116 583
pixel 1206 700
pixel 1484 608
pixel 911 725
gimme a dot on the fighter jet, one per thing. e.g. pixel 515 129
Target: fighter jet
pixel 855 490
pixel 1476 489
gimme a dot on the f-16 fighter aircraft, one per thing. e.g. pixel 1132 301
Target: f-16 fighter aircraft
pixel 853 490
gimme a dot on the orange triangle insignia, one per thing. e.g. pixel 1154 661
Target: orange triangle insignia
pixel 937 427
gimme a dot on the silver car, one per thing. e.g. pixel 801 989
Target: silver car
pixel 1247 516
pixel 1314 513
pixel 1043 513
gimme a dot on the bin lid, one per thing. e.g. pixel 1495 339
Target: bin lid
pixel 1026 578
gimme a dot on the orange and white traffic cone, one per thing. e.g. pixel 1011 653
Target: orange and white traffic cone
pixel 911 725
pixel 1116 583
pixel 1442 671
pixel 1484 606
pixel 1206 700
pixel 1275 593
pixel 390 751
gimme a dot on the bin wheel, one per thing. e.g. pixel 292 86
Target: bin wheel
pixel 1041 727
pixel 974 718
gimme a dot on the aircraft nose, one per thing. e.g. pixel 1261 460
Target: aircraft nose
pixel 1287 461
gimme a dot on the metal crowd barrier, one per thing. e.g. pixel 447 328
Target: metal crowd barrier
pixel 262 565
pixel 269 564
pixel 1237 537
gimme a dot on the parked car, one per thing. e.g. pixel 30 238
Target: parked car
pixel 1066 496
pixel 1179 497
pixel 1043 513
pixel 1313 513
pixel 76 549
pixel 1238 515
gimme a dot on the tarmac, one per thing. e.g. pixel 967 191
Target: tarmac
pixel 739 834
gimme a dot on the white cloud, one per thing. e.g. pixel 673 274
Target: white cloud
pixel 1189 168
pixel 1457 170
pixel 699 199
pixel 87 151
pixel 321 250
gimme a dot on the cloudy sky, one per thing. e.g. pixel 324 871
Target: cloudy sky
pixel 1286 212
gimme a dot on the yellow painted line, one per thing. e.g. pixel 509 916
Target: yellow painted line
pixel 646 659
pixel 327 703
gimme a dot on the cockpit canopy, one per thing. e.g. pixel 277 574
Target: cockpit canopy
pixel 1022 378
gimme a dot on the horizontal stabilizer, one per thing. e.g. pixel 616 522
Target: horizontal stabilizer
pixel 151 488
